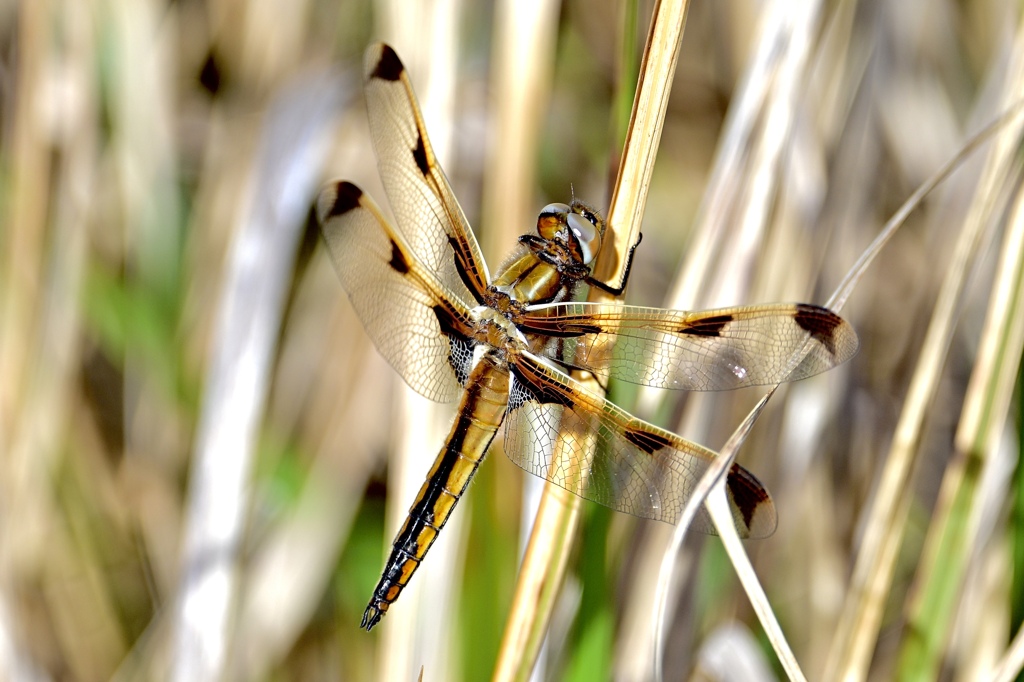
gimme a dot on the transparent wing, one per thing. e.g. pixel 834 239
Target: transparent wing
pixel 417 325
pixel 428 215
pixel 710 350
pixel 554 424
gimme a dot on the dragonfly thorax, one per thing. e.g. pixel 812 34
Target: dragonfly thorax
pixel 492 329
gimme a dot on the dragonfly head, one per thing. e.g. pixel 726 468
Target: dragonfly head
pixel 576 225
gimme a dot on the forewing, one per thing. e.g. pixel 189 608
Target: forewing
pixel 426 210
pixel 417 325
pixel 711 350
pixel 557 429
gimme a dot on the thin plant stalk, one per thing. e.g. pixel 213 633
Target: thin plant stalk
pixel 953 540
pixel 546 556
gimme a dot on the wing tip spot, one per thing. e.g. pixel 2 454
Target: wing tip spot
pixel 822 324
pixel 751 501
pixel 338 199
pixel 387 66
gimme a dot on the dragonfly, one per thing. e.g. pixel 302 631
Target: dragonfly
pixel 505 346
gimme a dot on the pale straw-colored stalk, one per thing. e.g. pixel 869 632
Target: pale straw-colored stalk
pixel 557 517
pixel 43 270
pixel 955 539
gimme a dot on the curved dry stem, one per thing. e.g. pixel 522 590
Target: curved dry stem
pixel 771 111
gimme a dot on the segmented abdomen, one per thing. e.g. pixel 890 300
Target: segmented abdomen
pixel 481 411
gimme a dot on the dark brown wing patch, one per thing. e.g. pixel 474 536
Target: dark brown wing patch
pixel 551 327
pixel 420 156
pixel 543 391
pixel 346 198
pixel 460 357
pixel 398 262
pixel 751 501
pixel 647 441
pixel 709 326
pixel 389 66
pixel 446 321
pixel 820 323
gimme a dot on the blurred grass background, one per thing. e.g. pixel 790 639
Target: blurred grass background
pixel 134 148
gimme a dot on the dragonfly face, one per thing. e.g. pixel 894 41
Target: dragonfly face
pixel 503 346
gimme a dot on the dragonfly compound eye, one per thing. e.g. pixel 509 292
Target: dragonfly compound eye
pixel 587 235
pixel 551 220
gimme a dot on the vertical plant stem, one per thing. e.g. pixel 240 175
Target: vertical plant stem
pixel 952 539
pixel 545 560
